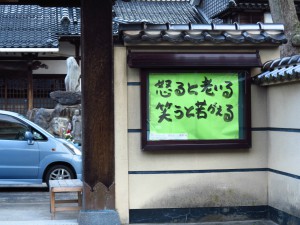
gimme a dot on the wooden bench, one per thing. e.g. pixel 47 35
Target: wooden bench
pixel 65 186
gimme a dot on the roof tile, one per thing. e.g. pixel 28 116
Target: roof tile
pixel 32 26
pixel 198 33
pixel 281 70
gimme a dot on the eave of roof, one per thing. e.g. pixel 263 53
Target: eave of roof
pixel 278 71
pixel 203 33
pixel 44 3
pixel 29 49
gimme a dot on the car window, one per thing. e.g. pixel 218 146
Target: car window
pixel 38 136
pixel 11 128
pixel 44 132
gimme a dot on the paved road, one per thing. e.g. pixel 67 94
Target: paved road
pixel 23 203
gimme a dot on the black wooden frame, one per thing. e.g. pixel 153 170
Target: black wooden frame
pixel 196 144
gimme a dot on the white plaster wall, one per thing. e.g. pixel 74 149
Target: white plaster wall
pixel 284 109
pixel 191 189
pixel 284 154
pixel 121 141
pixel 57 66
pixel 284 105
pixel 203 189
pixel 284 193
pixel 197 190
pixel 255 157
pixel 54 67
pixel 284 151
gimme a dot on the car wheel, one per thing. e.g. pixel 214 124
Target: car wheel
pixel 59 172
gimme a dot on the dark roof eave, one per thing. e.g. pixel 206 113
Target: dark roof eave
pixel 192 60
pixel 232 9
pixel 69 37
pixel 43 3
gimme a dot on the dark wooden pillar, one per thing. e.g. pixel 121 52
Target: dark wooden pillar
pixel 30 90
pixel 97 105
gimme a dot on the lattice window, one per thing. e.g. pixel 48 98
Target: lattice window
pixel 42 86
pixel 13 94
pixel 251 17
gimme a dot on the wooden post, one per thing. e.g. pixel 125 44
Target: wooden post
pixel 97 105
pixel 30 89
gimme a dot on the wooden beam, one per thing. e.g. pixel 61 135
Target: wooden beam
pixel 97 105
pixel 30 89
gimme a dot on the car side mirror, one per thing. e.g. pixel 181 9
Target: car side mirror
pixel 29 137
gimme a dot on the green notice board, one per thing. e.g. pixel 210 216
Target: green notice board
pixel 193 106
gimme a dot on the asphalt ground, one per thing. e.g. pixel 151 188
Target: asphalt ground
pixel 21 203
pixel 30 205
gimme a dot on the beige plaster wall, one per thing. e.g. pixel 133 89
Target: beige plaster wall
pixel 284 193
pixel 283 105
pixel 173 190
pixel 197 190
pixel 121 134
pixel 283 112
pixel 255 157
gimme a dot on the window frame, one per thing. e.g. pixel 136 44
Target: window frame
pixel 149 145
pixel 17 127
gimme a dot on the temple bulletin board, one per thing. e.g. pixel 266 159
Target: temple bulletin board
pixel 193 106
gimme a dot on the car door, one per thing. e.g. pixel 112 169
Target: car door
pixel 18 158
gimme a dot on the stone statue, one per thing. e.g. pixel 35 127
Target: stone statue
pixel 73 80
pixel 76 127
pixel 58 125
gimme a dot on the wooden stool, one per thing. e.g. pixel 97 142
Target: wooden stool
pixel 65 186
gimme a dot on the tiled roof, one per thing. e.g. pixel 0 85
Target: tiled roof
pixel 204 33
pixel 215 9
pixel 155 12
pixel 31 26
pixel 278 71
